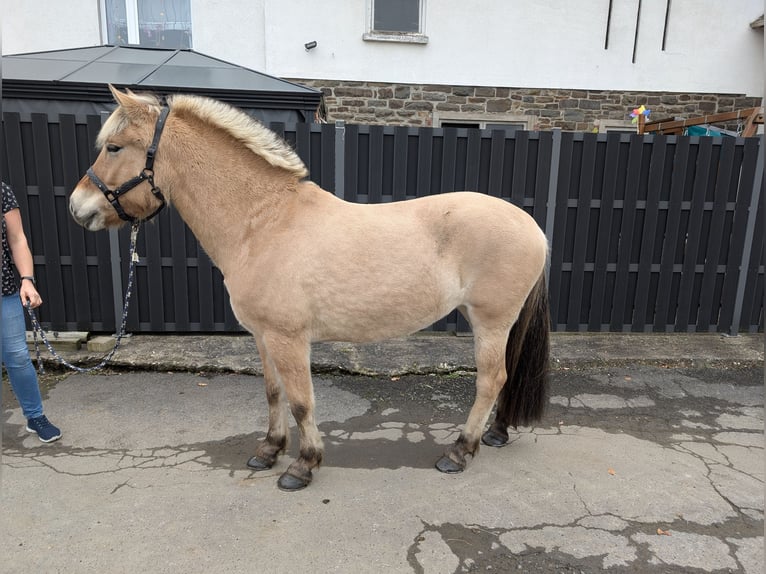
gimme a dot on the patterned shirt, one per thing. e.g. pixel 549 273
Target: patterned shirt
pixel 9 203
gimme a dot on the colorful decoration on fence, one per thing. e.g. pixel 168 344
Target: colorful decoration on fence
pixel 639 111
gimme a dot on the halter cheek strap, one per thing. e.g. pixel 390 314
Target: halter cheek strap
pixel 147 174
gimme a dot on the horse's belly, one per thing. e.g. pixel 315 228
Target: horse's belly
pixel 379 315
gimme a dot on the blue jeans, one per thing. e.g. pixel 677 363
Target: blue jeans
pixel 16 358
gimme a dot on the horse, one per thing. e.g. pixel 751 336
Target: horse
pixel 302 265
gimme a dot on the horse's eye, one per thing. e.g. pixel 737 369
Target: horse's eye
pixel 111 148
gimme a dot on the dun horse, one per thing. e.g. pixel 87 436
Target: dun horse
pixel 302 265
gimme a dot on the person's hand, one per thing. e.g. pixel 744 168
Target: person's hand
pixel 28 292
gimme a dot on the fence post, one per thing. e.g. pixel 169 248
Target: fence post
pixel 749 232
pixel 340 158
pixel 550 206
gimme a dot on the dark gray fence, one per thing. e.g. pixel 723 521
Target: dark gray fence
pixel 647 233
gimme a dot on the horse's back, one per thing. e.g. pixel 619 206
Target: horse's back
pixel 359 272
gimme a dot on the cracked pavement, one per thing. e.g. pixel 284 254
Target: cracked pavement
pixel 635 468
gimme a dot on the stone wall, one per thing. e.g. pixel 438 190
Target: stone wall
pixel 572 110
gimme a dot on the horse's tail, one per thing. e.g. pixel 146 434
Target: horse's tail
pixel 525 394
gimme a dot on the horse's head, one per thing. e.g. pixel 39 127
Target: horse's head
pixel 120 186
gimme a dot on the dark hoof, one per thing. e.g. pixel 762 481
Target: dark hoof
pixel 448 466
pixel 258 463
pixel 494 438
pixel 290 483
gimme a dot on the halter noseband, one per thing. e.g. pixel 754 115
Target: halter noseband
pixel 147 174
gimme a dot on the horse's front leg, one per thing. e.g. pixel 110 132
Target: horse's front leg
pixel 290 357
pixel 277 436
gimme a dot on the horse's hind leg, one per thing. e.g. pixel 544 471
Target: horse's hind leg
pixel 490 377
pixel 277 435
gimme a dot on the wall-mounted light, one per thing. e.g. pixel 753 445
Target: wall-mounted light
pixel 310 45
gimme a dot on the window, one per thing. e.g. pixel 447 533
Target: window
pixel 150 23
pixel 507 122
pixel 623 126
pixel 396 21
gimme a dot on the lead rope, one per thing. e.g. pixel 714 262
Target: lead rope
pixel 36 329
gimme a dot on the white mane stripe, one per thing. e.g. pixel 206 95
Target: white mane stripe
pixel 254 135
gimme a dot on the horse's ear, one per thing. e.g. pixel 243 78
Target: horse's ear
pixel 118 95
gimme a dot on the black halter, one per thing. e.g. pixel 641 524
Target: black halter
pixel 147 174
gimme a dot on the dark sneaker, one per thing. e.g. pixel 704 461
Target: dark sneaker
pixel 43 428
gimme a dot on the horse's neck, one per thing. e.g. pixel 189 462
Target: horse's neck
pixel 226 202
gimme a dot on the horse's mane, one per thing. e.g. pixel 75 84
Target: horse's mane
pixel 254 135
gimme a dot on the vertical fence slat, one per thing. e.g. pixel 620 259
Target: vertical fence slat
pixel 694 235
pixel 496 163
pixel 401 135
pixel 671 237
pixel 708 307
pixel 576 300
pixel 351 169
pixel 623 305
pixel 555 285
pixel 449 152
pixel 51 288
pixel 739 228
pixel 425 152
pixel 155 301
pixel 78 266
pixel 375 171
pixel 179 301
pixel 651 216
pixel 599 313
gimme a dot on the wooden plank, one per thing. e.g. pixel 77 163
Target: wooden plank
pixel 375 170
pixel 709 307
pixel 520 159
pixel 180 300
pixel 747 167
pixel 473 160
pixel 68 149
pixel 687 305
pixel 651 217
pixel 401 136
pixel 752 304
pixel 326 144
pixel 449 152
pixel 600 310
pixel 558 299
pixel 576 300
pixel 303 143
pixel 671 237
pixel 662 126
pixel 351 167
pixel 152 250
pixel 50 283
pixel 425 155
pixel 496 163
pixel 623 304
pixel 205 278
pixel 542 177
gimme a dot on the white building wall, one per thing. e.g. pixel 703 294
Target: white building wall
pixel 42 25
pixel 542 44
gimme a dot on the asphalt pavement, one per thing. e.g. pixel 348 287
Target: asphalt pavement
pixel 649 459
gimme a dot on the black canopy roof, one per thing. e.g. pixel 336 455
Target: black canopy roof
pixel 82 75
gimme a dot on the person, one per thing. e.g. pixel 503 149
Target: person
pixel 18 364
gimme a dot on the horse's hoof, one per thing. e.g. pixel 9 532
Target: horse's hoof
pixel 290 483
pixel 448 466
pixel 494 438
pixel 258 463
